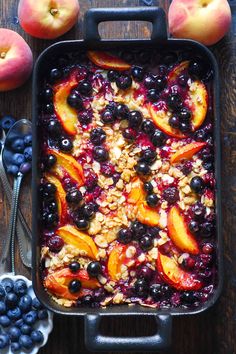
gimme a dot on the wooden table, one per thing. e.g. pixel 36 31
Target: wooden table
pixel 212 332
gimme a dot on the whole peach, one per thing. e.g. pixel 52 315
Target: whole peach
pixel 48 19
pixel 16 60
pixel 206 21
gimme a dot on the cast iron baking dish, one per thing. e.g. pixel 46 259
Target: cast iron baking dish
pixel 159 40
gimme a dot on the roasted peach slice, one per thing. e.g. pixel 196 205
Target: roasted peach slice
pixel 197 101
pixel 78 239
pixel 67 115
pixel 57 283
pixel 177 70
pixel 171 272
pixel 179 232
pixel 60 196
pixel 137 192
pixel 187 152
pixel 147 215
pixel 115 260
pixel 69 164
pixel 161 120
pixel 107 61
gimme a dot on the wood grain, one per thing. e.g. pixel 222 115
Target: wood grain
pixel 212 332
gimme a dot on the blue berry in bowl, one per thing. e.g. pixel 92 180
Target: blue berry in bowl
pixel 30 318
pixel 18 159
pixel 5 321
pixel 19 322
pixel 4 341
pixel 14 314
pixel 25 303
pixel 13 170
pixel 138 229
pixel 26 342
pixel 36 304
pixel 37 337
pixel 25 329
pixel 174 122
pixel 74 196
pixel 150 81
pixel 174 102
pixel 8 284
pixel 7 122
pixel 25 167
pixel 20 287
pixel 42 314
pixel 148 187
pixel 11 300
pixel 153 95
pixel 3 308
pixel 129 134
pixel 158 138
pixel 82 223
pixel 15 347
pixel 17 145
pixel 2 292
pixel 28 140
pixel 28 153
pixel 14 333
pixel 146 242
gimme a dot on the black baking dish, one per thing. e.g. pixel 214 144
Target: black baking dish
pixel 94 340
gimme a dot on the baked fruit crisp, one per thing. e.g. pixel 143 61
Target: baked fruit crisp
pixel 127 184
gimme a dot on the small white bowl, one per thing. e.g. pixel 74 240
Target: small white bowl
pixel 45 326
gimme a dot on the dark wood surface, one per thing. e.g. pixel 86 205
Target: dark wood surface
pixel 212 332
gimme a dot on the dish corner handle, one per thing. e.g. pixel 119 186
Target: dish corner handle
pixel 95 341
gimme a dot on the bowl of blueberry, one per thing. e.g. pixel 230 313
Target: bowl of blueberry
pixel 25 323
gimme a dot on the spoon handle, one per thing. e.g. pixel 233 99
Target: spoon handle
pixel 10 241
pixel 22 230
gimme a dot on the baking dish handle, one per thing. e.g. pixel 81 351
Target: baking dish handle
pixel 95 341
pixel 155 15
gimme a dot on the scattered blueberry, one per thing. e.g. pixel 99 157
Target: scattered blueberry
pixel 158 138
pixel 65 144
pixel 55 74
pixel 148 127
pixel 82 223
pixel 85 88
pixel 26 342
pixel 55 243
pixel 171 195
pixel 141 287
pixel 125 235
pixel 100 154
pixel 74 196
pixel 74 267
pixel 148 155
pixel 152 200
pixel 155 292
pixel 142 168
pixel 197 184
pixel 97 136
pixel 7 122
pixel 146 242
pixel 37 336
pixel 74 286
pixel 138 73
pixel 123 82
pixel 148 187
pixel 135 119
pixel 112 75
pixel 75 101
pixel 138 229
pixel 94 269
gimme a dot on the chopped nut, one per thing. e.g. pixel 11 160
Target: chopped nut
pixel 101 241
pixel 95 227
pixel 130 252
pixel 118 298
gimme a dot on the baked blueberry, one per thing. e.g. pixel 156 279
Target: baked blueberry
pixel 193 226
pixel 47 94
pixel 148 155
pixel 85 117
pixel 142 168
pixel 94 269
pixel 158 138
pixel 150 81
pixel 125 235
pixel 107 117
pixel 100 154
pixel 183 80
pixel 148 127
pixel 174 122
pixel 146 273
pixel 198 211
pixel 135 119
pixel 89 211
pixel 171 195
pixel 74 267
pixel 185 114
pixel 207 229
pixel 152 200
pixel 112 75
pixel 153 95
pixel 174 102
pixel 148 187
pixel 50 161
pixel 122 111
pixel 75 101
pixel 196 69
pixel 54 128
pixel 82 223
pixel 184 127
pixel 55 75
pixel 197 184
pixel 129 134
pixel 74 286
pixel 49 108
pixel 123 82
pixel 55 243
pixel 138 229
pixel 161 82
pixel 137 73
pixel 65 144
pixel 146 242
pixel 85 88
pixel 155 292
pixel 74 196
pixel 97 136
pixel 141 287
pixel 189 297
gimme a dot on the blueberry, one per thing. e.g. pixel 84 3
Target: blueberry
pixel 5 321
pixel 85 88
pixel 207 229
pixel 197 184
pixel 74 267
pixel 14 314
pixel 198 211
pixel 25 329
pixel 146 242
pixel 54 128
pixel 47 95
pixel 87 300
pixel 146 273
pixel 100 154
pixel 74 196
pixel 123 82
pixel 137 73
pixel 148 155
pixel 28 140
pixel 189 297
pixel 94 269
pixel 28 153
pixel 17 145
pixel 25 303
pixel 153 95
pixel 49 108
pixel 2 292
pixel 107 117
pixel 15 347
pixel 30 317
pixel 82 223
pixel 97 136
pixel 174 122
pixel 158 138
pixel 148 187
pixel 13 169
pixel 25 167
pixel 11 300
pixel 138 229
pixel 8 284
pixel 37 336
pixel 50 161
pixel 65 144
pixel 141 287
pixel 148 127
pixel 3 308
pixel 196 69
pixel 142 168
pixel 161 82
pixel 184 127
pixel 55 243
pixel 135 119
pixel 150 81
pixel 75 101
pixel 155 292
pixel 152 200
pixel 42 314
pixel 85 117
pixel 112 75
pixel 125 235
pixel 4 341
pixel 49 189
pixel 26 342
pixel 55 75
pixel 74 286
pixel 129 134
pixel 7 122
pixel 20 287
pixel 171 195
pixel 185 114
pixel 193 226
pixel 174 102
pixel 19 323
pixel 89 211
pixel 18 159
pixel 122 111
pixel 209 166
pixel 14 333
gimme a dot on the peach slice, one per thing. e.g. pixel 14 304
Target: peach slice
pixel 60 196
pixel 66 114
pixel 57 283
pixel 78 239
pixel 115 260
pixel 137 193
pixel 179 233
pixel 198 102
pixel 107 61
pixel 147 215
pixel 186 152
pixel 177 70
pixel 171 272
pixel 161 120
pixel 69 164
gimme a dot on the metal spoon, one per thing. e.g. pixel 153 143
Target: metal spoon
pixel 22 228
pixel 20 128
